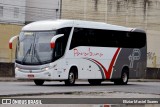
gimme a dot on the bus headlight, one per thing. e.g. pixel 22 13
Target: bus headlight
pixel 45 69
pixel 16 68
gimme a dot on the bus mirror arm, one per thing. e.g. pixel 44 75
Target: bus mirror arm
pixel 11 41
pixel 53 40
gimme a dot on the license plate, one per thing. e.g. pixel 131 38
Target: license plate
pixel 30 76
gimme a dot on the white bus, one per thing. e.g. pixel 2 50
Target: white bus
pixel 67 50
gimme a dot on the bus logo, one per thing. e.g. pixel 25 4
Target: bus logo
pixel 135 56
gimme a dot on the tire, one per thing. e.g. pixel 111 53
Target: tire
pixel 71 78
pixel 39 82
pixel 124 78
pixel 95 82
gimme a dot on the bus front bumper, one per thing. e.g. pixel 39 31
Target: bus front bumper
pixel 44 75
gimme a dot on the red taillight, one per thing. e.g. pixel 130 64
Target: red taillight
pixel 52 45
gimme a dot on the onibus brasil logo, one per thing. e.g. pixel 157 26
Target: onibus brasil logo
pixel 21 101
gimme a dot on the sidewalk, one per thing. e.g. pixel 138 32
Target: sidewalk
pixel 12 79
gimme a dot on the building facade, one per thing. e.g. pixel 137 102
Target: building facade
pixel 12 12
pixel 42 10
pixel 12 18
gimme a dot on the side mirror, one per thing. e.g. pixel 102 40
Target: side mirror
pixel 53 40
pixel 11 41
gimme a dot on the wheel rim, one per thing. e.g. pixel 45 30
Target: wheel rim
pixel 71 77
pixel 125 77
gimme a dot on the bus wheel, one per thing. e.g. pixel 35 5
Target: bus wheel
pixel 39 82
pixel 94 82
pixel 71 78
pixel 124 78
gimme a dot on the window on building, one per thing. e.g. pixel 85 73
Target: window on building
pixel 16 12
pixel 1 11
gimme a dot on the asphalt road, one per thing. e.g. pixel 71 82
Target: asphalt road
pixel 81 89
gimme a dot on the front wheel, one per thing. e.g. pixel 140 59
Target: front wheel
pixel 71 78
pixel 39 82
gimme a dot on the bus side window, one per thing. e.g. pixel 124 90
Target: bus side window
pixel 77 38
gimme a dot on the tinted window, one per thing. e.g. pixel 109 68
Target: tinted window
pixel 135 40
pixel 107 38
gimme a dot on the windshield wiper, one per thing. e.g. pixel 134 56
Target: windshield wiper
pixel 28 51
pixel 35 53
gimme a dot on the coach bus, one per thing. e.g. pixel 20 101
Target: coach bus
pixel 67 50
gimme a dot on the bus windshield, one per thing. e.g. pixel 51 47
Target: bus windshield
pixel 33 48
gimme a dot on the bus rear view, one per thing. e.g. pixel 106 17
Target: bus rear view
pixel 66 50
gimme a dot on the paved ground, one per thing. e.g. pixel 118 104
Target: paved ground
pixel 10 87
pixel 81 89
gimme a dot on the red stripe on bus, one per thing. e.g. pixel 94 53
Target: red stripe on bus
pixel 104 69
pixel 112 63
pixel 108 73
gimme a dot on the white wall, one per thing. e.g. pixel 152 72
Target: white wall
pixel 42 10
pixel 9 11
pixel 29 10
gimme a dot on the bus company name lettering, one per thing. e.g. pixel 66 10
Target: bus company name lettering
pixel 88 52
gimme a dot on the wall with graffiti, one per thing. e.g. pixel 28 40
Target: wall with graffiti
pixel 153 60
